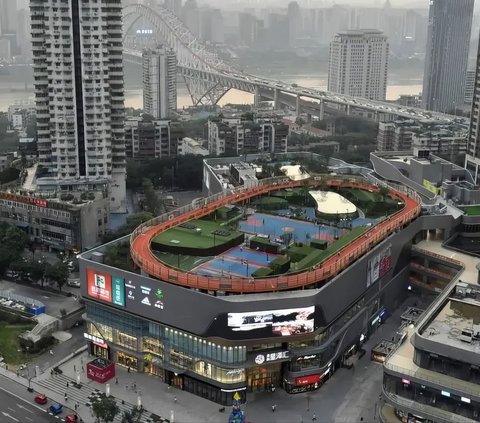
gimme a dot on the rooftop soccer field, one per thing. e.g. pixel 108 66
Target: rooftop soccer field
pixel 197 234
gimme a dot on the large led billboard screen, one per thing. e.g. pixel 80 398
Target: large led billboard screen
pixel 284 322
pixel 378 265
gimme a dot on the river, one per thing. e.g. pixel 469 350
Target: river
pixel 18 85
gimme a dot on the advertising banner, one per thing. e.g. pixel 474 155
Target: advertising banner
pixel 99 285
pixel 118 289
pixel 378 265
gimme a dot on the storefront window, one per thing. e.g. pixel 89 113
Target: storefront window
pixel 126 360
pixel 212 393
pixel 306 362
pixel 153 369
pixel 127 341
pixel 198 347
pixel 101 331
pixel 154 346
pixel 217 373
pixel 180 360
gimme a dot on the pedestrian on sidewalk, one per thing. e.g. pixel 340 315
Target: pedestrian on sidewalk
pixel 68 384
pixel 66 396
pixel 128 370
pixel 175 398
pixel 116 381
pixel 314 417
pixel 51 352
pixel 75 368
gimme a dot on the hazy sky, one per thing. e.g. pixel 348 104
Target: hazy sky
pixel 317 3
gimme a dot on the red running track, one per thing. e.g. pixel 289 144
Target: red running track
pixel 143 257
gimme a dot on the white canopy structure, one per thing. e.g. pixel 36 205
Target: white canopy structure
pixel 329 202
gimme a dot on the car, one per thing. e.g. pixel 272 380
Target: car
pixel 55 408
pixel 75 283
pixel 41 399
pixel 71 418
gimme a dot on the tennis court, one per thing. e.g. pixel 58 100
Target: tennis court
pixel 274 226
pixel 238 261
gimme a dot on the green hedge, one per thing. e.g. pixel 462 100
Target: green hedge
pixel 270 203
pixel 280 265
pixel 319 244
pixel 262 272
pixel 263 245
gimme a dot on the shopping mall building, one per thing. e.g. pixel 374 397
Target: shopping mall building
pixel 209 342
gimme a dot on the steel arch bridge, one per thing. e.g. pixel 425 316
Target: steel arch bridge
pixel 200 67
pixel 209 78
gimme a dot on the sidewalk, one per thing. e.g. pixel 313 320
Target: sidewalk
pixel 155 396
pixel 16 382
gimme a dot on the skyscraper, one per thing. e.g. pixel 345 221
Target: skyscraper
pixel 78 71
pixel 159 82
pixel 472 158
pixel 446 60
pixel 358 64
pixel 8 16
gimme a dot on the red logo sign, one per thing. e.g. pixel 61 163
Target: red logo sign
pixel 307 380
pixel 40 203
pixel 99 285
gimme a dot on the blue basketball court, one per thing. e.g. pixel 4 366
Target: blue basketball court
pixel 274 226
pixel 238 261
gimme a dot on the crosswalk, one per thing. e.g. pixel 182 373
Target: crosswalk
pixel 84 395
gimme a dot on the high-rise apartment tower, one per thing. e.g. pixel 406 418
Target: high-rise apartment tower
pixel 159 82
pixel 358 64
pixel 472 158
pixel 78 71
pixel 446 60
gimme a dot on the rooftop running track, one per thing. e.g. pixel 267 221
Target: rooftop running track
pixel 142 255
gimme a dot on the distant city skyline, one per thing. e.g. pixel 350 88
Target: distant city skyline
pixel 317 3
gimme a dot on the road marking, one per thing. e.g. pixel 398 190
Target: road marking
pixel 22 399
pixel 8 415
pixel 24 408
pixel 11 409
pixel 28 418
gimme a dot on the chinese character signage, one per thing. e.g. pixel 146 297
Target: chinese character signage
pixel 99 285
pixel 118 289
pixel 273 356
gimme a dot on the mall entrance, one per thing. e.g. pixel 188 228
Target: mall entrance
pixel 262 378
pixel 175 379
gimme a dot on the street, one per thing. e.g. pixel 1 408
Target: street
pixel 54 302
pixel 16 408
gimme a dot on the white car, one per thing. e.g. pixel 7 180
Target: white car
pixel 74 283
